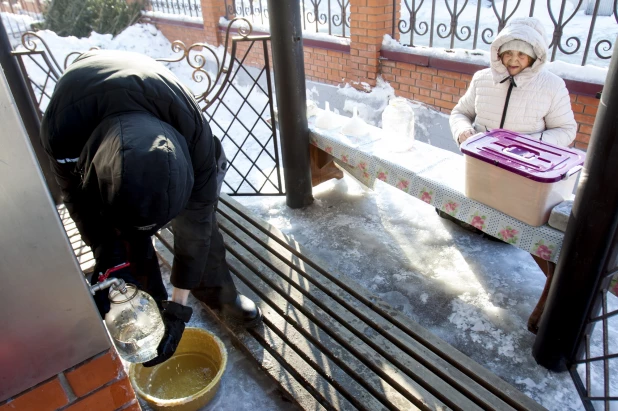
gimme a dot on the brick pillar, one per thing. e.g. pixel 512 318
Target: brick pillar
pixel 370 20
pixel 212 10
pixel 397 35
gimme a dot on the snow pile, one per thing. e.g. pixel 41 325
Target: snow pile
pixel 141 38
pixel 14 24
pixel 480 57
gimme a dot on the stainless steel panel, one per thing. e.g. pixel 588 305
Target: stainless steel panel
pixel 48 321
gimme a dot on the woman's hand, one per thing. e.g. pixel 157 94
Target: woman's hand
pixel 465 135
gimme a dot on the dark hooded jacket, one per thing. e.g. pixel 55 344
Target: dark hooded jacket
pixel 131 151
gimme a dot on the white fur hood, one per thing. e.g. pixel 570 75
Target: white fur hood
pixel 528 29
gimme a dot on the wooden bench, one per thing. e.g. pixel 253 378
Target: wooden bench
pixel 331 344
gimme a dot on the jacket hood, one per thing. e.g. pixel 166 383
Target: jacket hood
pixel 528 29
pixel 140 168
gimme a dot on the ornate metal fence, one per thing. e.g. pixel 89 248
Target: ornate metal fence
pixel 576 27
pixel 237 100
pixel 191 8
pixel 320 16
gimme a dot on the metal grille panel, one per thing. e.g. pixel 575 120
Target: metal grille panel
pixel 595 371
pixel 250 142
pixel 319 16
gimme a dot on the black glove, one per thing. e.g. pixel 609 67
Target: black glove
pixel 175 316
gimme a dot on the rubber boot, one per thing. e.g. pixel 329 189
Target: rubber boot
pixel 234 306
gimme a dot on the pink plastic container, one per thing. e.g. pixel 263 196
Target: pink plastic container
pixel 519 175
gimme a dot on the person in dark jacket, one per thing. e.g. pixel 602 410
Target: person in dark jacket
pixel 131 152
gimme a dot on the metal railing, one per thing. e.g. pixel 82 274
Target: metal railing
pixel 190 8
pixel 597 358
pixel 474 24
pixel 19 15
pixel 330 17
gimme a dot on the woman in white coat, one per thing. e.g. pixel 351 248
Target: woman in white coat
pixel 516 92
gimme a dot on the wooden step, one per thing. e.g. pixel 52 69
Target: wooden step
pixel 331 344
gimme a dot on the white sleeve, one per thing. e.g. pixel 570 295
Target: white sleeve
pixel 464 113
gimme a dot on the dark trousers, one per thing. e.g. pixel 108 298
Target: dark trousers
pixel 216 286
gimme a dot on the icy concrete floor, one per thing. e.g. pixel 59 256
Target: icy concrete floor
pixel 243 387
pixel 471 292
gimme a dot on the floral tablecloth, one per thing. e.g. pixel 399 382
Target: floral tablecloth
pixel 436 177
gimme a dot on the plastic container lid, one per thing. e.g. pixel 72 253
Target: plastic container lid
pixel 524 155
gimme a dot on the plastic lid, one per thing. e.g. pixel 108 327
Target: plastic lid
pixel 523 155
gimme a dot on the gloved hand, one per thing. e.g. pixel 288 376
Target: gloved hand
pixel 101 298
pixel 175 316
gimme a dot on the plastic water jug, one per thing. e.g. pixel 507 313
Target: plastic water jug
pixel 134 323
pixel 398 124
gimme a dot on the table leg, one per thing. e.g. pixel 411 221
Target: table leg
pixel 322 166
pixel 548 269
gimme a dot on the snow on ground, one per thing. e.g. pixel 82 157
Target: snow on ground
pixel 473 293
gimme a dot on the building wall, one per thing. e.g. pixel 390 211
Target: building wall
pixel 97 384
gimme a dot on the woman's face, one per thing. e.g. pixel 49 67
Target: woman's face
pixel 515 61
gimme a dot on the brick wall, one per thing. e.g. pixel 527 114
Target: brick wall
pixel 585 110
pixel 326 66
pixel 173 30
pixel 97 384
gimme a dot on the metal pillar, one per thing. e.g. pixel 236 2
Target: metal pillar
pixel 585 259
pixel 27 110
pixel 289 68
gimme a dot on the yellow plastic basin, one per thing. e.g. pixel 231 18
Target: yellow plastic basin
pixel 188 380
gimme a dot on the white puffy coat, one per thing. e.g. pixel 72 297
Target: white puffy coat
pixel 539 104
